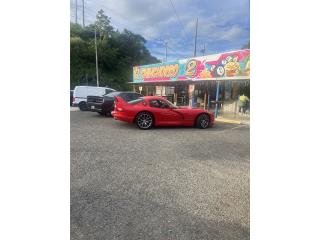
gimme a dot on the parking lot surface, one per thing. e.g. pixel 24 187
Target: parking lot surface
pixel 163 183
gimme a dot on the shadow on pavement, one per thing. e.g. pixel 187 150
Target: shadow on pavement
pixel 97 214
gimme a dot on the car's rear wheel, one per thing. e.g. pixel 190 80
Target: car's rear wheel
pixel 83 106
pixel 144 120
pixel 203 121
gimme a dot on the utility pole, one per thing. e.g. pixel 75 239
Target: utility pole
pixel 83 13
pixel 95 43
pixel 166 45
pixel 195 40
pixel 77 11
pixel 203 50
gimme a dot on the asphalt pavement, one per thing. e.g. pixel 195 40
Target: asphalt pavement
pixel 163 183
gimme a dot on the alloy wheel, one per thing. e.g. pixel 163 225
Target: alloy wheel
pixel 144 120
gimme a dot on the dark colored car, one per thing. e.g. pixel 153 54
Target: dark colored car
pixel 71 97
pixel 104 105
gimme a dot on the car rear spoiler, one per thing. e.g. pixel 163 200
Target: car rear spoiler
pixel 119 100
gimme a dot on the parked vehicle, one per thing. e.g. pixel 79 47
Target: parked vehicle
pixel 81 93
pixel 71 97
pixel 150 111
pixel 105 104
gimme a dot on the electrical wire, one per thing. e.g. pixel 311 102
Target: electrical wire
pixel 174 9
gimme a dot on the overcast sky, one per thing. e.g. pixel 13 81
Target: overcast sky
pixel 223 25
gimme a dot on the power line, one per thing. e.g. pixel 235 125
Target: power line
pixel 165 43
pixel 88 10
pixel 174 9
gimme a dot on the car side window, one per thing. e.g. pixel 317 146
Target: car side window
pixel 154 103
pixel 135 96
pixel 163 104
pixel 158 104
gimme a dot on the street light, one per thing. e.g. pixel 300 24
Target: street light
pixel 95 44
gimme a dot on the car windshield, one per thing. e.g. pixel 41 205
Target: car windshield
pixel 171 104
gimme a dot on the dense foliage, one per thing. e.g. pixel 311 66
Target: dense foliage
pixel 118 52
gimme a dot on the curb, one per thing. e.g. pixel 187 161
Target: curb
pixel 231 121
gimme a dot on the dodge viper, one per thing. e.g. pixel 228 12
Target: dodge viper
pixel 150 111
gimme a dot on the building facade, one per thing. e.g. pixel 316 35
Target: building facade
pixel 210 82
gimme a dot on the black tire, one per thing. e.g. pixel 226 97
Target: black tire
pixel 83 106
pixel 102 113
pixel 203 121
pixel 144 120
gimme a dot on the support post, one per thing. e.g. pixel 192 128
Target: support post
pixel 191 95
pixel 208 101
pixel 204 101
pixel 217 99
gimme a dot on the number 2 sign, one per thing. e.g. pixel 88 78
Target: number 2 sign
pixel 191 68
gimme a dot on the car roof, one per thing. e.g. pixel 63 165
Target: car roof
pixel 153 97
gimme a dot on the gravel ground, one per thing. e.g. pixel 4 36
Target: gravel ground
pixel 164 183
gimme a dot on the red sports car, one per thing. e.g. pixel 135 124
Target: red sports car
pixel 150 111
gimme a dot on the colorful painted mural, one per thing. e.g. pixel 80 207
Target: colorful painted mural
pixel 218 66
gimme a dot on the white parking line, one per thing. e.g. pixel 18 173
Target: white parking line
pixel 229 129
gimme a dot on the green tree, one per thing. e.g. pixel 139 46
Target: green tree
pixel 118 52
pixel 103 25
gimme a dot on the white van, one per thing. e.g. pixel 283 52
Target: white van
pixel 81 92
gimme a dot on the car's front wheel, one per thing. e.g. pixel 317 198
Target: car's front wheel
pixel 203 121
pixel 144 120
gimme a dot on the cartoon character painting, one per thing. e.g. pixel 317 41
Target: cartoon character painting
pixel 232 68
pixel 230 64
pixel 135 72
